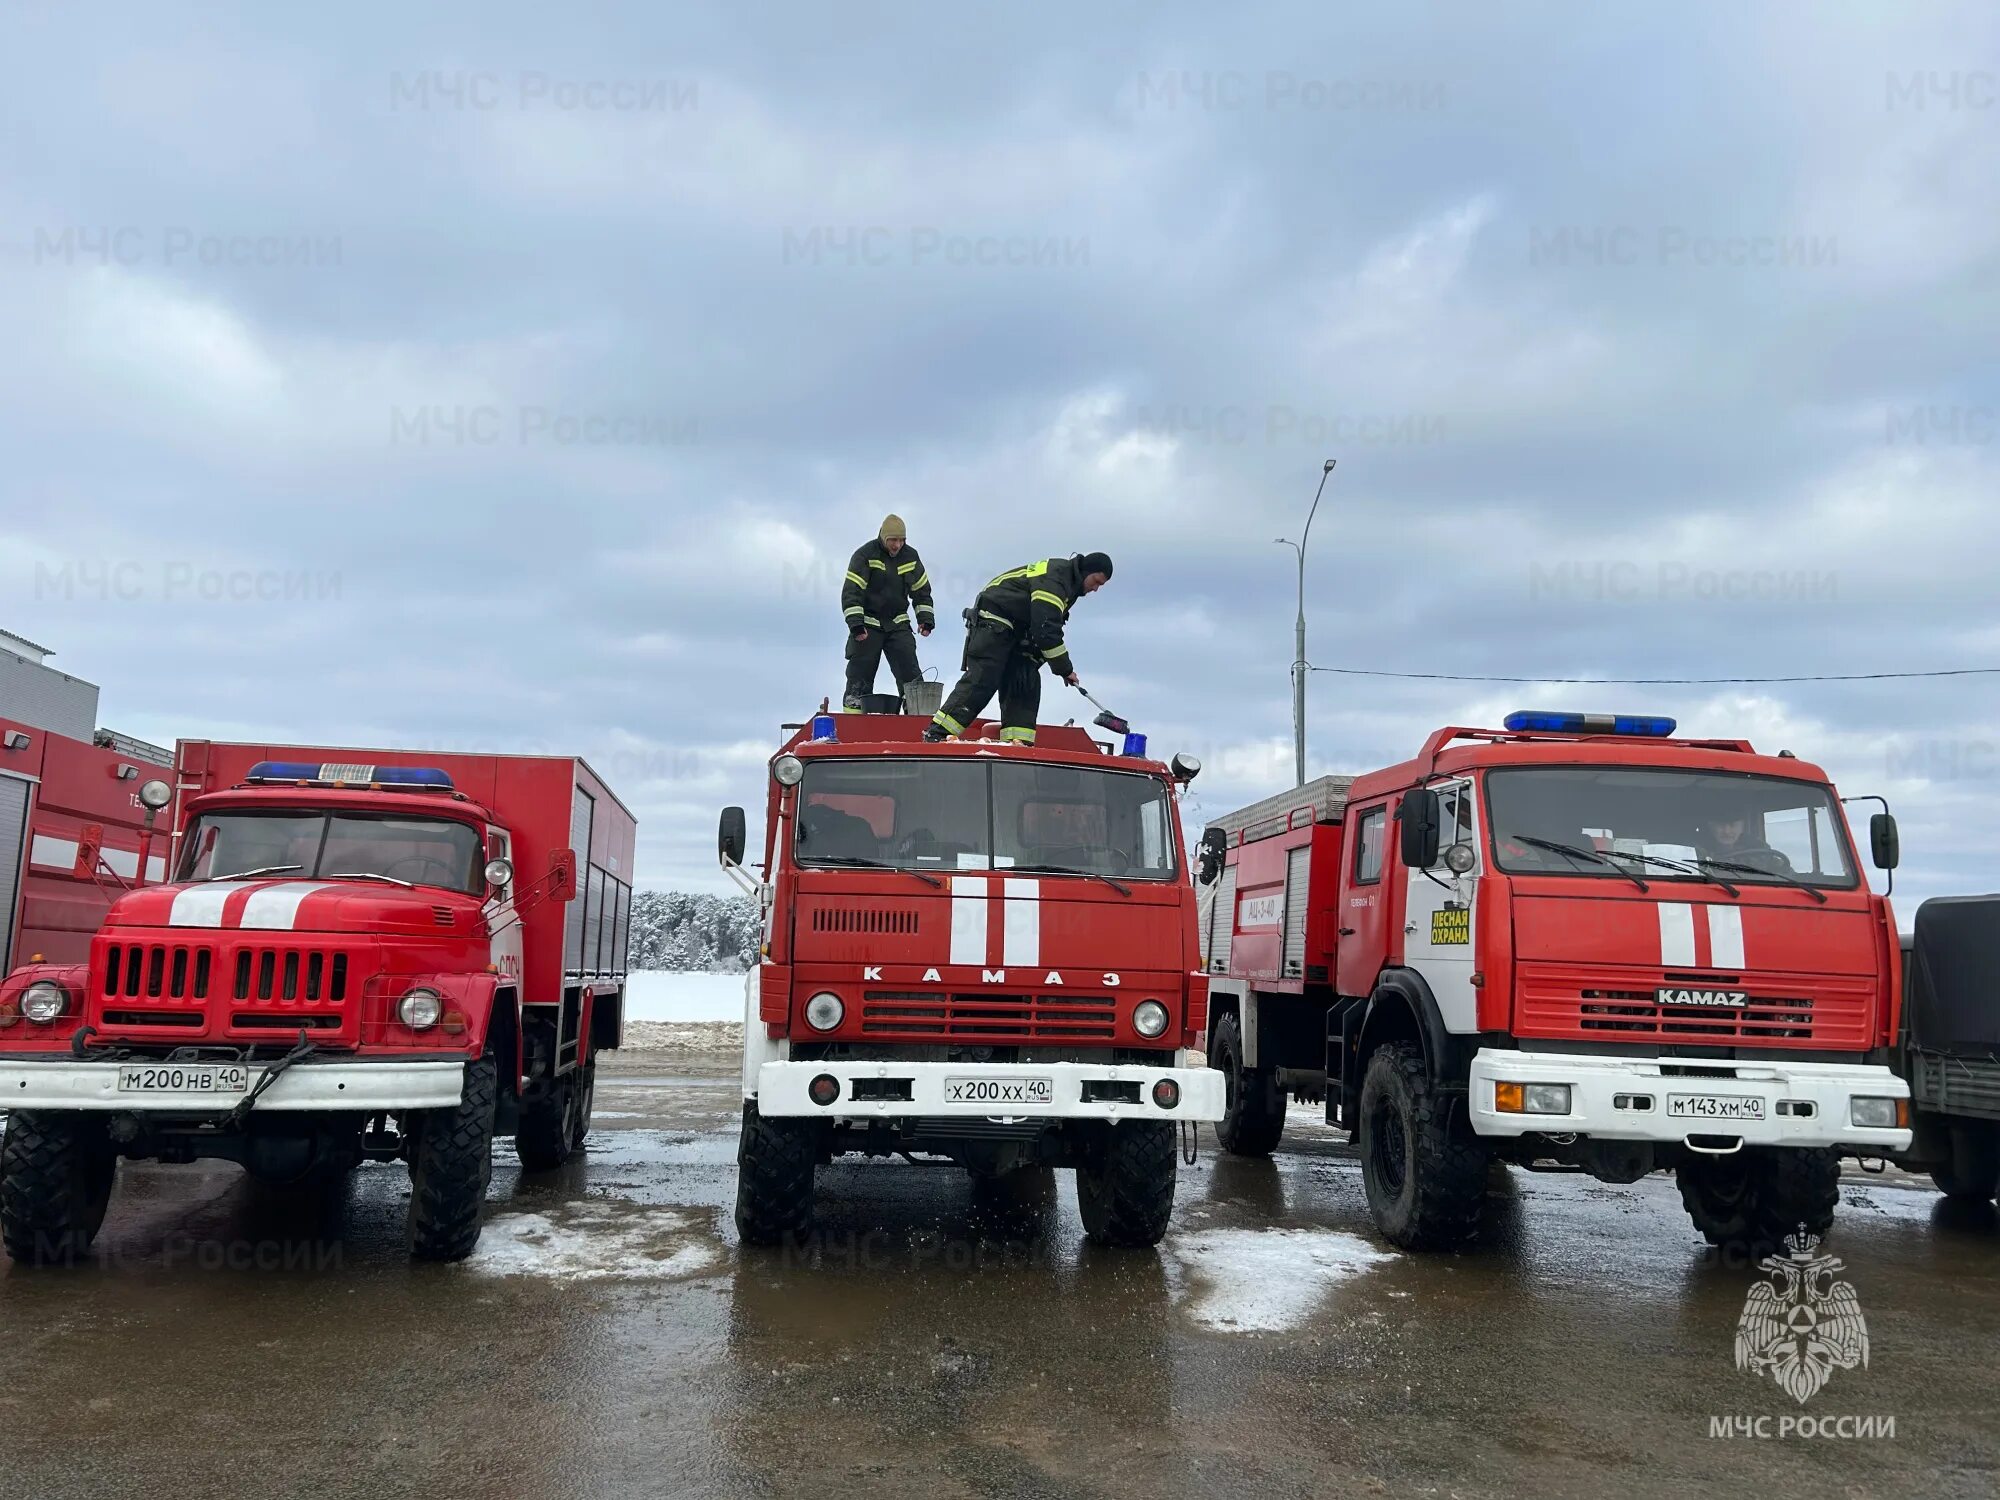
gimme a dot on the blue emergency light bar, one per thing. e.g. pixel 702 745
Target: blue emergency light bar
pixel 1536 721
pixel 333 773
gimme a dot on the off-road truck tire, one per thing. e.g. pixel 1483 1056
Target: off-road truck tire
pixel 1125 1184
pixel 1254 1113
pixel 56 1171
pixel 1422 1167
pixel 451 1163
pixel 775 1164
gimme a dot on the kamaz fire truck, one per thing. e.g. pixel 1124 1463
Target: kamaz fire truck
pixel 343 967
pixel 1577 943
pixel 977 951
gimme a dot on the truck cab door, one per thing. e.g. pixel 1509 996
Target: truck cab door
pixel 1438 937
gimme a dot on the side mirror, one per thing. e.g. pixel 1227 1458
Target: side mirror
pixel 1885 843
pixel 733 836
pixel 562 875
pixel 1214 846
pixel 1419 817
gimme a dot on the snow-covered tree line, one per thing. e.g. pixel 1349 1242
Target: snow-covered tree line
pixel 703 933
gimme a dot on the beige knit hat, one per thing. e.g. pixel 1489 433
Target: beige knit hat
pixel 893 526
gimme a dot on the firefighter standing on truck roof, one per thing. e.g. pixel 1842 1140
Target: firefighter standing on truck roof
pixel 1013 630
pixel 886 582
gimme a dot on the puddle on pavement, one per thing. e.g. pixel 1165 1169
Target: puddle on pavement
pixel 591 1241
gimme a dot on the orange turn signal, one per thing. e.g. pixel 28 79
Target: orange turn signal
pixel 1509 1098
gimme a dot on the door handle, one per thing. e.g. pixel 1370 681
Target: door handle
pixel 1409 927
pixel 1347 932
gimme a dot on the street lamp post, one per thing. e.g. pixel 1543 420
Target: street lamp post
pixel 1299 631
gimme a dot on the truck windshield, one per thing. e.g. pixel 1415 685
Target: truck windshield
pixel 319 845
pixel 1711 824
pixel 957 815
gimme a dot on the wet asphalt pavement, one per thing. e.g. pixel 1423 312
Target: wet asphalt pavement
pixel 611 1338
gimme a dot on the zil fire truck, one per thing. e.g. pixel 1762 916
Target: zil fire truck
pixel 974 951
pixel 1574 943
pixel 345 966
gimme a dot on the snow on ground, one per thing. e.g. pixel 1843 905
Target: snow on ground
pixel 594 1242
pixel 1264 1280
pixel 654 995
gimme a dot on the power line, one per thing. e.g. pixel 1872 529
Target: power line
pixel 1662 681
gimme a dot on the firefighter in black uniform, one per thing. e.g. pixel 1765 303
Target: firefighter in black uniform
pixel 1013 630
pixel 886 583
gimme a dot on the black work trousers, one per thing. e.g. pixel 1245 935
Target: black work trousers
pixel 864 658
pixel 996 662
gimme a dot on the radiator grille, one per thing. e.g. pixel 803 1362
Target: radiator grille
pixel 170 971
pixel 929 1015
pixel 1781 1011
pixel 282 974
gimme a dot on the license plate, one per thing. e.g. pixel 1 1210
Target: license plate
pixel 998 1090
pixel 184 1078
pixel 1715 1106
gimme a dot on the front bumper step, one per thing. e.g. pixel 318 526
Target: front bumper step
pixel 1075 1091
pixel 313 1085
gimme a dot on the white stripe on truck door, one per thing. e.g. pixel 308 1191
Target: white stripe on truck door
pixel 968 920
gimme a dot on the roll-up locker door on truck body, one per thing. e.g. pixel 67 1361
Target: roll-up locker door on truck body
pixel 581 809
pixel 1298 865
pixel 593 925
pixel 624 928
pixel 1225 921
pixel 14 794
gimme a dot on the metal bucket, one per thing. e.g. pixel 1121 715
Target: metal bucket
pixel 923 698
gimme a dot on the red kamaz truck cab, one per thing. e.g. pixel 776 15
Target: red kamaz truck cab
pixel 346 965
pixel 1577 942
pixel 977 951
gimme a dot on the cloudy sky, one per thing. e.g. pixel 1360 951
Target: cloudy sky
pixel 520 377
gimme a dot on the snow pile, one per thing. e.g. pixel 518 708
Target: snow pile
pixel 594 1242
pixel 1263 1280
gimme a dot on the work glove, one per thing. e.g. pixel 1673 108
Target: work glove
pixel 923 629
pixel 861 632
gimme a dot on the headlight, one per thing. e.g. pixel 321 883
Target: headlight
pixel 823 1012
pixel 1878 1114
pixel 420 1010
pixel 788 770
pixel 43 1001
pixel 156 795
pixel 1459 859
pixel 1531 1098
pixel 1149 1018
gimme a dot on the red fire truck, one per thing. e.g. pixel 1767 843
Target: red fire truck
pixel 976 951
pixel 345 966
pixel 1574 943
pixel 72 829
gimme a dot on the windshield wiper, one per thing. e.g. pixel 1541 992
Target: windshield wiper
pixel 855 861
pixel 251 874
pixel 408 885
pixel 1787 876
pixel 1576 851
pixel 1674 864
pixel 1118 886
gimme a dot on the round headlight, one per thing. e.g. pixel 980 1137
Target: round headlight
pixel 420 1010
pixel 1149 1018
pixel 788 770
pixel 43 1001
pixel 823 1012
pixel 1459 859
pixel 156 795
pixel 499 871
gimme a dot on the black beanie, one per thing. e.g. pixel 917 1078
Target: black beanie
pixel 1093 562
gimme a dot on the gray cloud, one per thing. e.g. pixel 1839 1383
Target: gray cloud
pixel 506 377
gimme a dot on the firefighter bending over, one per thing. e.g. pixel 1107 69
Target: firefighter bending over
pixel 886 583
pixel 1013 630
